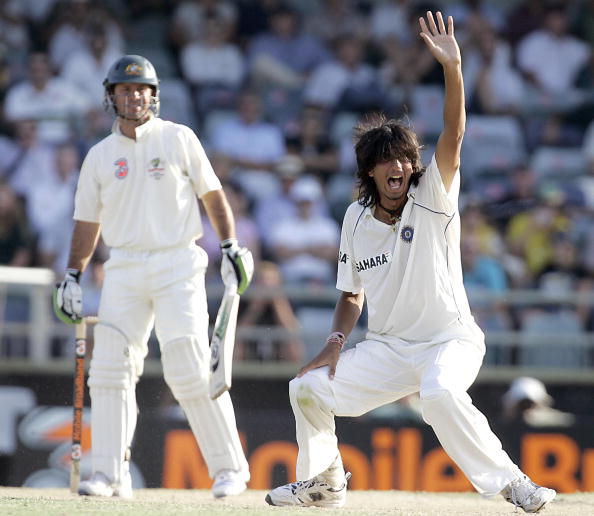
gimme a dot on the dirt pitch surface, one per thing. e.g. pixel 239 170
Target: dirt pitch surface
pixel 163 502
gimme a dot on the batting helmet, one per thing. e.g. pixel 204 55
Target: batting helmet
pixel 131 68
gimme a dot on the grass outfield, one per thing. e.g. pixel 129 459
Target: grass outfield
pixel 161 502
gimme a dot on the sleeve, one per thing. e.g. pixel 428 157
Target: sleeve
pixel 199 169
pixel 347 278
pixel 432 193
pixel 87 200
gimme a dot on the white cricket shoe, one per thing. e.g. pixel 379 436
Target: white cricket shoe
pixel 527 495
pixel 228 482
pixel 100 485
pixel 305 493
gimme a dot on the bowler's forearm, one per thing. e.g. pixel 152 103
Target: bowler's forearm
pixel 454 111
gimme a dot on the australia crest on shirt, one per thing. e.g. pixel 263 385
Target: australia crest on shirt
pixel 156 168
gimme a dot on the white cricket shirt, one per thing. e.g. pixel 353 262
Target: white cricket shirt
pixel 143 192
pixel 411 273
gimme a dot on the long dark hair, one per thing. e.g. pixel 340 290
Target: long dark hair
pixel 377 140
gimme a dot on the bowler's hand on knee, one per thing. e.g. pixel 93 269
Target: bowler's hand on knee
pixel 327 357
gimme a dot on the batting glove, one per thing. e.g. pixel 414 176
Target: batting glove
pixel 237 266
pixel 68 298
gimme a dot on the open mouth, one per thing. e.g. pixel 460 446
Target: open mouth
pixel 395 182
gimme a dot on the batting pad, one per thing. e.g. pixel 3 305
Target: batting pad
pixel 185 367
pixel 112 382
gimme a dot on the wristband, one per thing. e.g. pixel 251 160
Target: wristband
pixel 74 273
pixel 336 337
pixel 228 242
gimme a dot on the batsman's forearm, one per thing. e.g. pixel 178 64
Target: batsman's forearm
pixel 84 241
pixel 347 312
pixel 219 213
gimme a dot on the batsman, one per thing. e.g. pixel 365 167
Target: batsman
pixel 138 188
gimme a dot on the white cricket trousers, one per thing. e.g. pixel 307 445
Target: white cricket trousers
pixel 375 373
pixel 165 288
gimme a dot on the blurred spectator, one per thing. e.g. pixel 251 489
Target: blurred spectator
pixel 14 34
pixel 390 19
pixel 491 83
pixel 271 211
pixel 254 18
pixel 475 225
pixel 312 144
pixel 528 402
pixel 552 130
pixel 333 18
pixel 245 227
pixel 269 309
pixel 529 234
pixel 525 17
pixel 563 274
pixel 213 66
pixel 29 161
pixel 550 58
pixel 190 19
pixel 50 206
pixel 584 21
pixel 521 197
pixel 305 245
pixel 253 145
pixel 408 63
pixel 284 55
pixel 488 240
pixel 484 277
pixel 471 15
pixel 345 83
pixel 87 66
pixel 68 33
pixel 15 235
pixel 55 103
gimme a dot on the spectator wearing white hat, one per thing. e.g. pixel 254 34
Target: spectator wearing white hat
pixel 527 401
pixel 305 244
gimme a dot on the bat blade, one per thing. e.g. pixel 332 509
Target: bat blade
pixel 222 344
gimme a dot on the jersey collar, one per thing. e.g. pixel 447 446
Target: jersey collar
pixel 141 130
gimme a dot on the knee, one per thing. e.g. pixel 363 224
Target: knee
pixel 185 367
pixel 113 365
pixel 308 390
pixel 441 400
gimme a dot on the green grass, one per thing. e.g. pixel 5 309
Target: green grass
pixel 164 502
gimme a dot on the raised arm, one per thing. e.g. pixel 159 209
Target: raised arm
pixel 442 44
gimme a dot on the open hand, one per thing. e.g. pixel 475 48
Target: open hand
pixel 327 357
pixel 441 43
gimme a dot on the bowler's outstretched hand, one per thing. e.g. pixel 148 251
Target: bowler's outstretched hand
pixel 441 42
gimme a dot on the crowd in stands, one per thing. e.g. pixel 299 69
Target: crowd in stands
pixel 273 89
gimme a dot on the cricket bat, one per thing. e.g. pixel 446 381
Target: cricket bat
pixel 222 343
pixel 78 400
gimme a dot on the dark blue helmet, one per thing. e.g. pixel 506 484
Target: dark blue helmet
pixel 131 68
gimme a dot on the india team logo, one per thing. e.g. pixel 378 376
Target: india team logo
pixel 122 168
pixel 407 234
